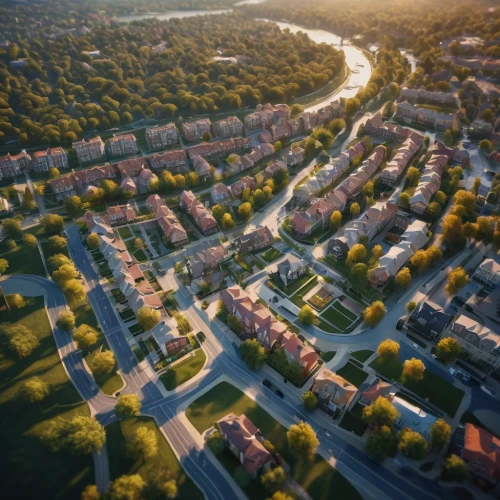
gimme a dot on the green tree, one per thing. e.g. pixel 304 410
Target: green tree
pixel 127 488
pixel 412 444
pixel 11 227
pixel 413 369
pixel 128 405
pixel 273 478
pixel 66 321
pixel 218 211
pixel 410 306
pixel 403 278
pixel 144 443
pixel 15 301
pixel 93 241
pixel 28 201
pixel 35 390
pixel 216 442
pixel 227 221
pixel 448 138
pixel 485 145
pixel 359 275
pixel 280 179
pixel 440 433
pixel 148 317
pixel 4 264
pixel 354 210
pixel 374 313
pixel 381 443
pixel 441 198
pixel 470 230
pixel 20 340
pixel 245 210
pixel 91 493
pixel 356 254
pixel 306 315
pixel 452 228
pixel 58 243
pixel 466 199
pixel 253 353
pixel 388 351
pixel 302 440
pixel 457 279
pixel 277 147
pixel 413 176
pixel 448 349
pixel 310 400
pixel 241 477
pixel 73 205
pixel 381 412
pixel 64 274
pixel 377 252
pixel 295 110
pixel 52 223
pixel 103 362
pixel 420 260
pixel 74 292
pixel 235 324
pixel 54 172
pixel 455 469
pixel 57 260
pixel 85 336
pixel 11 244
pixel 404 200
pixel 336 219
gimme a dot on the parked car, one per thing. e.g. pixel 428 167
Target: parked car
pixel 280 394
pixel 461 375
pixel 399 324
pixel 267 383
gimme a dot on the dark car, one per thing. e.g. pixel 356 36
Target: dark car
pixel 280 394
pixel 266 383
pixel 399 324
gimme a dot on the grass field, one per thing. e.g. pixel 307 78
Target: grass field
pixel 124 232
pixel 293 287
pixel 321 481
pixel 338 316
pixel 48 252
pixel 271 255
pixel 356 376
pixel 29 469
pixel 24 260
pixel 439 392
pixel 362 355
pixel 327 327
pixel 118 433
pixel 184 371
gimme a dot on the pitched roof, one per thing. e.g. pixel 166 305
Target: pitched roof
pixel 482 447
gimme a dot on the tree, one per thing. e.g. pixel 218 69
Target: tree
pixel 15 301
pixel 455 469
pixel 412 444
pixel 4 264
pixel 476 186
pixel 241 477
pixel 218 211
pixel 434 254
pixel 273 478
pixel 413 176
pixel 306 315
pixel 58 243
pixel 85 336
pixel 374 313
pixel 448 349
pixel 359 275
pixel 93 241
pixel 54 172
pixel 253 353
pixel 64 274
pixel 57 260
pixel 245 210
pixel 148 317
pixel 440 433
pixel 448 138
pixel 74 292
pixel 403 278
pixel 206 137
pixel 488 115
pixel 235 324
pixel 336 219
pixel 280 495
pixel 310 400
pixel 138 243
pixel 11 227
pixel 381 443
pixel 66 321
pixel 388 350
pixel 420 260
pixel 73 205
pixel 380 413
pixel 127 488
pixel 302 440
pixel 11 244
pixel 410 307
pixel 457 279
pixel 296 109
pixel 404 200
pixel 216 442
pixel 128 405
pixel 441 198
pixel 144 443
pixel 90 493
pixel 377 252
pixel 368 189
pixel 356 254
pixel 227 221
pixel 30 240
pixel 52 223
pixel 413 369
pixel 485 145
pixel 28 201
pixel 470 230
pixel 354 210
pixel 466 199
pixel 21 341
pixel 35 390
pixel 452 228
pixel 277 147
pixel 103 362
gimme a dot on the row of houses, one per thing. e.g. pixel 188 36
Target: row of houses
pixel 206 261
pixel 387 131
pixel 303 223
pixel 423 96
pixel 236 163
pixel 201 216
pixel 428 118
pixel 259 323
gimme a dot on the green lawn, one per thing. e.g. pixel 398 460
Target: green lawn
pixel 124 232
pixel 140 255
pixel 184 371
pixel 271 255
pixel 84 314
pixel 120 462
pixel 48 252
pixel 338 305
pixel 293 287
pixel 327 327
pixel 362 355
pixel 321 481
pixel 29 469
pixel 328 356
pixel 351 422
pixel 356 376
pixel 335 315
pixel 24 260
pixel 111 382
pixel 127 315
pixel 433 388
pixel 307 288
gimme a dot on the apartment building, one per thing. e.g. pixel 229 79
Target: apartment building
pixel 89 150
pixel 159 137
pixel 12 165
pixel 121 145
pixel 53 157
pixel 194 131
pixel 228 127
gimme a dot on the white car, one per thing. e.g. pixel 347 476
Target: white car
pixel 488 390
pixel 464 377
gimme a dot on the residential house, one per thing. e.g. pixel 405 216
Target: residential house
pixel 146 179
pixel 120 145
pixel 245 442
pixel 303 223
pixel 165 135
pixel 120 214
pixel 170 343
pixel 131 167
pixel 441 122
pixel 202 168
pixel 202 217
pixel 5 206
pixel 220 193
pixel 12 165
pixel 239 186
pixel 206 261
pixel 300 353
pixel 174 161
pixel 228 127
pixel 480 129
pixel 172 229
pixel 295 156
pixel 218 150
pixel 291 271
pixel 89 150
pixel 93 176
pixel 53 157
pixel 398 164
pixel 97 224
pixel 488 272
pixel 63 186
pixel 428 321
pixel 129 185
pixel 423 96
pixel 266 115
pixel 479 344
pixel 255 240
pixel 110 245
pixel 333 391
pixel 378 388
pixel 194 131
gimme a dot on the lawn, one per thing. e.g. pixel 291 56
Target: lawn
pixel 362 355
pixel 433 388
pixel 271 255
pixel 327 327
pixel 136 329
pixel 352 421
pixel 140 255
pixel 111 382
pixel 24 260
pixel 183 371
pixel 127 315
pixel 85 315
pixel 335 315
pixel 29 469
pixel 48 252
pixel 307 288
pixel 321 481
pixel 124 232
pixel 120 462
pixel 356 376
pixel 328 356
pixel 293 287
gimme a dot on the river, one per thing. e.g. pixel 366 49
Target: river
pixel 356 60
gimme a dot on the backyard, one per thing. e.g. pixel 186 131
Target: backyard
pixel 121 462
pixel 353 422
pixel 362 355
pixel 294 286
pixel 356 376
pixel 184 371
pixel 432 387
pixel 271 255
pixel 29 468
pixel 316 475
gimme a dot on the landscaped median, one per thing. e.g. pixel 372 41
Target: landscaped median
pixel 315 475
